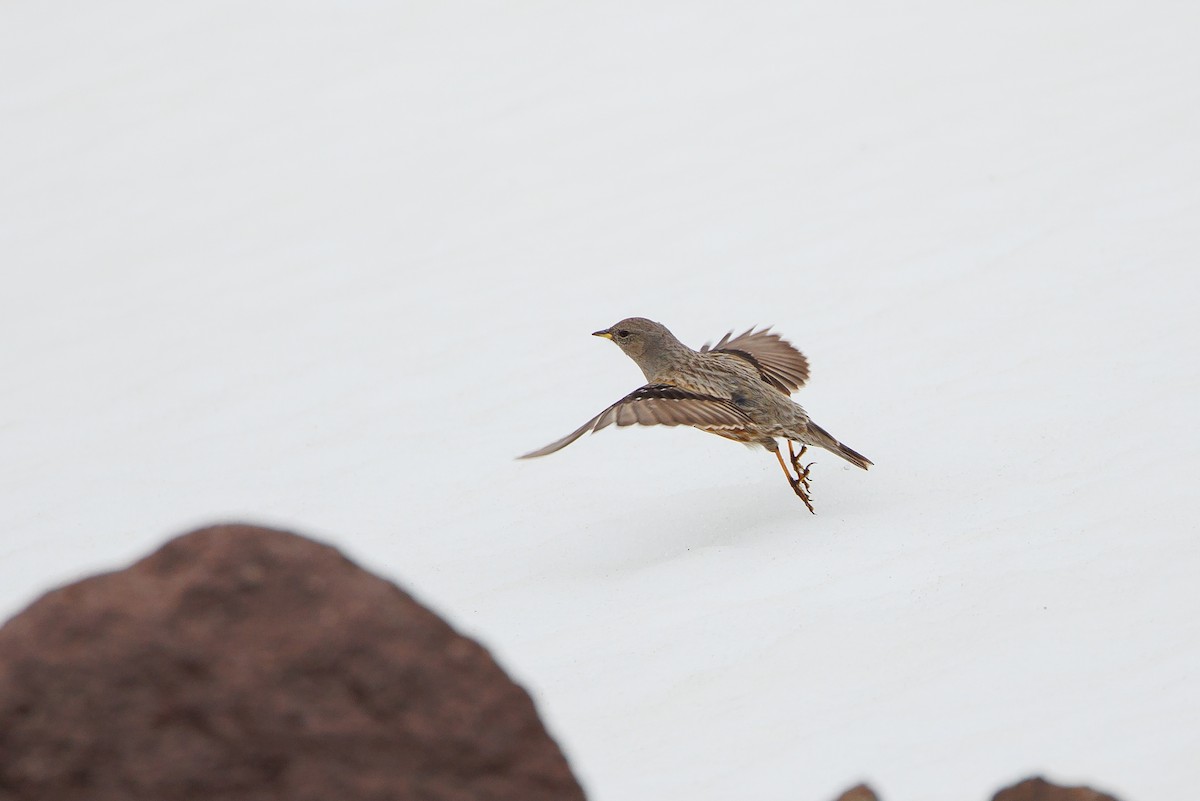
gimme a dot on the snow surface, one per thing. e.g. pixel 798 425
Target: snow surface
pixel 331 266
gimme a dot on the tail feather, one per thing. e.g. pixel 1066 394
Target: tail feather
pixel 820 436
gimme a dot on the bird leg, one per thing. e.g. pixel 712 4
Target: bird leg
pixel 801 473
pixel 800 485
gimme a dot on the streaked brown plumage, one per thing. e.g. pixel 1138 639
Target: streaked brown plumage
pixel 737 389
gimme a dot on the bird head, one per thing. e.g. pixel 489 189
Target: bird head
pixel 650 344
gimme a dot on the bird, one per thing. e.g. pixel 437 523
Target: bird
pixel 739 389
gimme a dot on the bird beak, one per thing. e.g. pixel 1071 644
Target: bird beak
pixel 605 333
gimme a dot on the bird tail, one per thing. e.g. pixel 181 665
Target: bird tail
pixel 821 437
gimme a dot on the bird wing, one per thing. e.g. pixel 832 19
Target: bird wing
pixel 777 361
pixel 658 405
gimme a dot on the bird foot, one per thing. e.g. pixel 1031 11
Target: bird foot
pixel 801 471
pixel 801 488
pixel 803 474
pixel 800 482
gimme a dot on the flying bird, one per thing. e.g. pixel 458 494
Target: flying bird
pixel 738 389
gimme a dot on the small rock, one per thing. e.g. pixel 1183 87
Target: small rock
pixel 1038 789
pixel 858 793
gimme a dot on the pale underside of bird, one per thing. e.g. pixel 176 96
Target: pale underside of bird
pixel 738 389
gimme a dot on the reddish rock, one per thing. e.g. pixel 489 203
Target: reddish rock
pixel 859 792
pixel 1038 789
pixel 242 663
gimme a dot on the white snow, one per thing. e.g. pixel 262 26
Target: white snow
pixel 331 266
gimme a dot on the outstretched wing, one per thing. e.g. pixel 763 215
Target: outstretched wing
pixel 658 405
pixel 777 361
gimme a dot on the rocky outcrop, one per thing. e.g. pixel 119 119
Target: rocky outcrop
pixel 244 663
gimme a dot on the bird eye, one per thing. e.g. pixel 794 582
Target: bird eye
pixel 622 333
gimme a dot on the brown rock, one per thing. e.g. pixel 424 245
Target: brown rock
pixel 1038 789
pixel 242 663
pixel 860 792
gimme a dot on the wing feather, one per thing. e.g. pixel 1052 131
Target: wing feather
pixel 657 404
pixel 778 362
pixel 625 415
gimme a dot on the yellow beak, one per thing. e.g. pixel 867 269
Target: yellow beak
pixel 606 334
